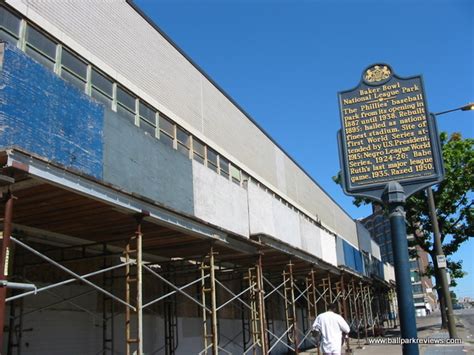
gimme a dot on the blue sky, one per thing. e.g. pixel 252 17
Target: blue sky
pixel 284 61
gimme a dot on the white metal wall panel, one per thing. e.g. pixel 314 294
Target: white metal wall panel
pixel 270 216
pixel 219 201
pixel 260 211
pixel 328 243
pixel 375 249
pixel 386 272
pixel 364 238
pixel 340 251
pixel 287 224
pixel 310 237
pixel 392 272
pixel 114 37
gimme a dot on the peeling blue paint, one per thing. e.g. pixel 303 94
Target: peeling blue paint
pixel 47 116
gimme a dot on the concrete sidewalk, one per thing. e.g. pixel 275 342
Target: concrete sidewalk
pixel 428 327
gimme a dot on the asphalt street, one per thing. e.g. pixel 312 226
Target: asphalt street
pixel 465 331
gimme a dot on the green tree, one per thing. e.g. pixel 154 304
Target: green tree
pixel 454 206
pixel 454 297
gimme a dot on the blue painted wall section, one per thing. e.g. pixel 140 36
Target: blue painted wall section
pixel 45 115
pixel 352 257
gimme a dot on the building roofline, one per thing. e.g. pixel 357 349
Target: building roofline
pixel 223 92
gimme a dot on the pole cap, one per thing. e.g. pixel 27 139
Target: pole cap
pixel 393 193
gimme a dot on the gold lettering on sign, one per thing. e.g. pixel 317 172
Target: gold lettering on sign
pixel 386 132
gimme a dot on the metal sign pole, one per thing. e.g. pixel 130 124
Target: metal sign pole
pixel 394 197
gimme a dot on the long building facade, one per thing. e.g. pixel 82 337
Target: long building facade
pixel 145 211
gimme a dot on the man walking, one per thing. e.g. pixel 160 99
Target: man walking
pixel 331 327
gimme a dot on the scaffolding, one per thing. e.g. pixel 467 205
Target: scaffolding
pixel 137 267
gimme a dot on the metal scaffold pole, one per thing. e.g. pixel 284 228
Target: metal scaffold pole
pixel 290 306
pixel 139 285
pixel 4 258
pixel 369 310
pixel 261 306
pixel 344 300
pixel 133 250
pixel 215 333
pixel 212 311
pixel 364 309
pixel 108 306
pixel 331 296
pixel 312 307
pixel 357 306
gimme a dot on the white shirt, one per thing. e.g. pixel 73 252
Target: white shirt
pixel 331 326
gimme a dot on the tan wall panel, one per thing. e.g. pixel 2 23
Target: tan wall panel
pixel 231 130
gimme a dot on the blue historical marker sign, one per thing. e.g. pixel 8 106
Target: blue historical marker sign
pixel 387 135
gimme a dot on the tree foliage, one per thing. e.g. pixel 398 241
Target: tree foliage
pixel 454 204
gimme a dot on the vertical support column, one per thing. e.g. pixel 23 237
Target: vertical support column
pixel 369 310
pixel 139 285
pixel 312 307
pixel 315 296
pixel 349 297
pixel 383 313
pixel 215 334
pixel 261 305
pixel 326 292
pixel 331 298
pixel 344 300
pixel 254 310
pixel 389 307
pixel 376 306
pixel 209 292
pixel 290 306
pixel 341 294
pixel 108 308
pixel 128 312
pixel 7 230
pixel 394 198
pixel 356 297
pixel 169 312
pixel 364 308
pixel 134 247
pixel 204 291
